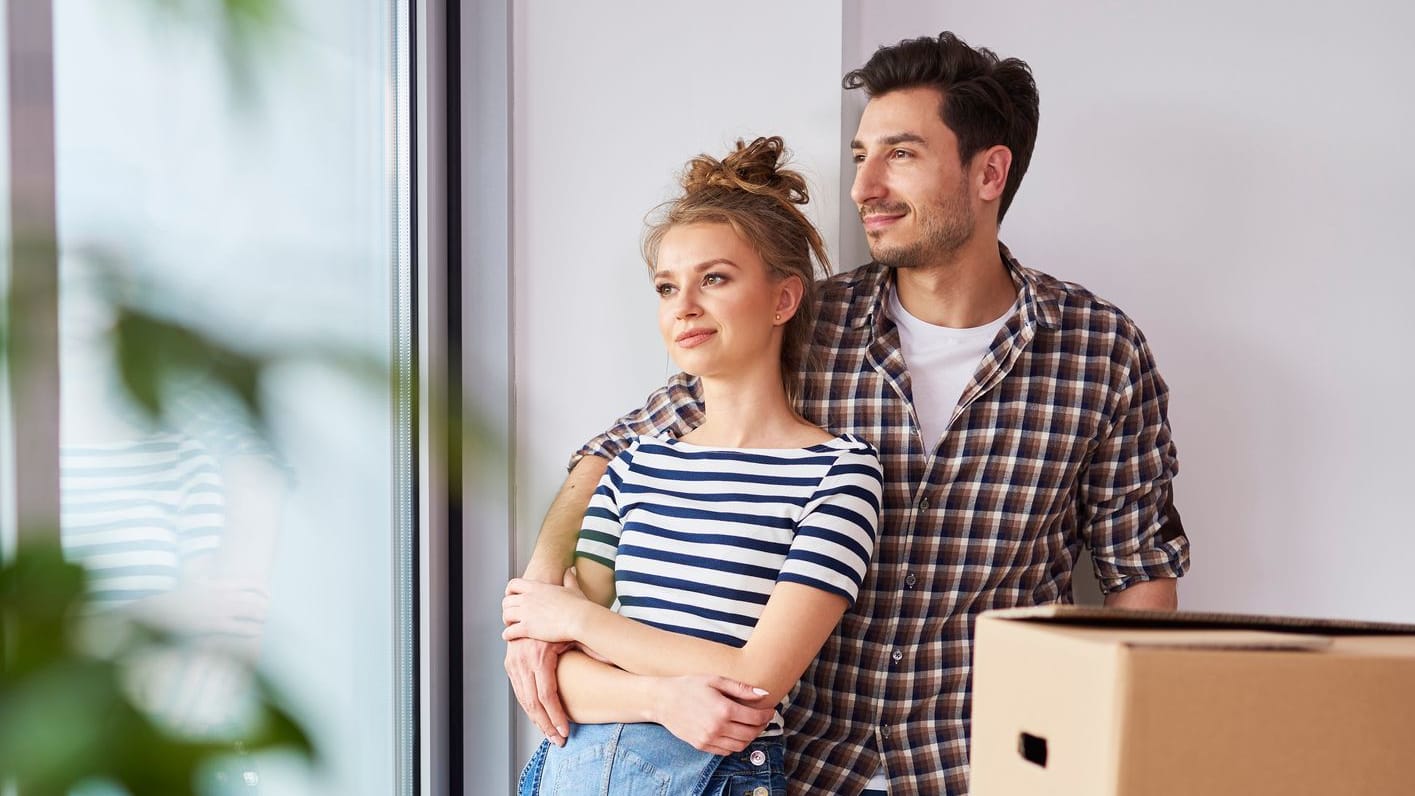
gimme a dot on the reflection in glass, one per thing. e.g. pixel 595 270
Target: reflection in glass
pixel 251 200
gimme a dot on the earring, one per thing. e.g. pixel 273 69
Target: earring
pixel 778 316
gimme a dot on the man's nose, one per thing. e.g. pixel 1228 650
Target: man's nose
pixel 867 186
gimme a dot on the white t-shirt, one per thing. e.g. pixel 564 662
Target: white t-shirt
pixel 941 362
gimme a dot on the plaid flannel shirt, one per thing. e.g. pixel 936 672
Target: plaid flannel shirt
pixel 1059 442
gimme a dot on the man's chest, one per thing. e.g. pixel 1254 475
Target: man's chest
pixel 1019 435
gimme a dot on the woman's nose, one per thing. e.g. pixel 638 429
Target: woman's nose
pixel 687 305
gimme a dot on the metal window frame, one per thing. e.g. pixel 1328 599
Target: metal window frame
pixel 481 730
pixel 33 312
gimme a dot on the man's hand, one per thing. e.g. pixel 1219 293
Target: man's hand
pixel 531 666
pixel 714 714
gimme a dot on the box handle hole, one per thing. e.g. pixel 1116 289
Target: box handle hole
pixel 1032 748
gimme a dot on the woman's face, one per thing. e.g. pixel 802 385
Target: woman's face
pixel 718 304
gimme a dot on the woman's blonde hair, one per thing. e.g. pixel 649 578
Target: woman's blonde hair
pixel 752 191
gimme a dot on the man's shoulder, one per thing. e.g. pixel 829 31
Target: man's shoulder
pixel 863 280
pixel 1075 308
pixel 850 294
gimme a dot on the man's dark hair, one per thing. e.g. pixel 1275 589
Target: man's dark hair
pixel 986 100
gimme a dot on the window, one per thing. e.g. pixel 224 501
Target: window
pixel 245 178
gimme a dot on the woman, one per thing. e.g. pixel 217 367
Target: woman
pixel 732 551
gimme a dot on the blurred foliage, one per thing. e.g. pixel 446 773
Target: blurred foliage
pixel 67 712
pixel 70 716
pixel 243 29
pixel 66 715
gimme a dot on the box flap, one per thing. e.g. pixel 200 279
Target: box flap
pixel 1095 616
pixel 1239 639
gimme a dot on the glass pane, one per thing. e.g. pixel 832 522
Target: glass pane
pixel 228 185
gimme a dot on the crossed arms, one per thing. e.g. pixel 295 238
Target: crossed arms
pixel 664 676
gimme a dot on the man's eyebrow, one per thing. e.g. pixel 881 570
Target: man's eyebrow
pixel 893 140
pixel 702 266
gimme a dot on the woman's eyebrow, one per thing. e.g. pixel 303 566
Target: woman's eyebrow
pixel 702 266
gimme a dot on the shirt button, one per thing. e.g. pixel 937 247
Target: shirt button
pixel 923 504
pixel 884 730
pixel 897 655
pixel 910 580
pixel 757 757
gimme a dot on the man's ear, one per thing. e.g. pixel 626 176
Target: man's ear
pixel 996 163
pixel 788 300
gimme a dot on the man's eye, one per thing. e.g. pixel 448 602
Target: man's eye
pixel 858 157
pixel 900 153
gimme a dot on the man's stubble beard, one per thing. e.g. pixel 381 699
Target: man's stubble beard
pixel 944 230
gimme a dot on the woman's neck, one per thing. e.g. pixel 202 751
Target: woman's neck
pixel 751 413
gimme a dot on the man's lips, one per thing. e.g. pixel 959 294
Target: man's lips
pixel 693 337
pixel 877 221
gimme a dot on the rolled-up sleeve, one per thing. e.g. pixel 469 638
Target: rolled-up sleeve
pixel 1127 500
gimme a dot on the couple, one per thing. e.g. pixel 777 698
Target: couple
pixel 1016 419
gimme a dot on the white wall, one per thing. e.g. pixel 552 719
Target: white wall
pixel 610 100
pixel 1237 177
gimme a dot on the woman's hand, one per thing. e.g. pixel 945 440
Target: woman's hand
pixel 713 714
pixel 544 612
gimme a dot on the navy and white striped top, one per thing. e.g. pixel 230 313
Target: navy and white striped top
pixel 698 536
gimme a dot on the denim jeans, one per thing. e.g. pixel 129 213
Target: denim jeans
pixel 647 760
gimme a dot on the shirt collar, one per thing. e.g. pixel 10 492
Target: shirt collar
pixel 1040 304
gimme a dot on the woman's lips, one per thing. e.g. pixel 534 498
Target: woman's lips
pixel 693 337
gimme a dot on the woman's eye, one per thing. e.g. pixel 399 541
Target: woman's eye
pixel 663 289
pixel 713 279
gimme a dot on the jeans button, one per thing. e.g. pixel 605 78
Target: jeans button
pixel 757 757
pixel 760 791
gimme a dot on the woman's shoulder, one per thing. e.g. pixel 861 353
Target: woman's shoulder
pixel 853 454
pixel 849 444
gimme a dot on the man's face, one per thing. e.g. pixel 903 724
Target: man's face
pixel 915 197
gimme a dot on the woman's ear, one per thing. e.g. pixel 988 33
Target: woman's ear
pixel 788 300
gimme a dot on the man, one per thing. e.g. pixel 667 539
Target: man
pixel 1018 418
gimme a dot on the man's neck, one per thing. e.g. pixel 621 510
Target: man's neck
pixel 970 289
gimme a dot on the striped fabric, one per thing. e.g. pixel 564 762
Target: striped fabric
pixel 133 513
pixel 698 536
pixel 1059 443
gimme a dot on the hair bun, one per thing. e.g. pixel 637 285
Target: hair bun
pixel 754 168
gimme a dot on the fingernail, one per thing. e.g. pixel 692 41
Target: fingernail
pixel 563 731
pixel 760 691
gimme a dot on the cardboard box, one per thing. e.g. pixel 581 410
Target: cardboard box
pixel 1096 701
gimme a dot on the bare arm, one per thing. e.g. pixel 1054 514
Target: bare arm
pixel 1160 594
pixel 555 546
pixel 714 714
pixel 531 664
pixel 794 624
